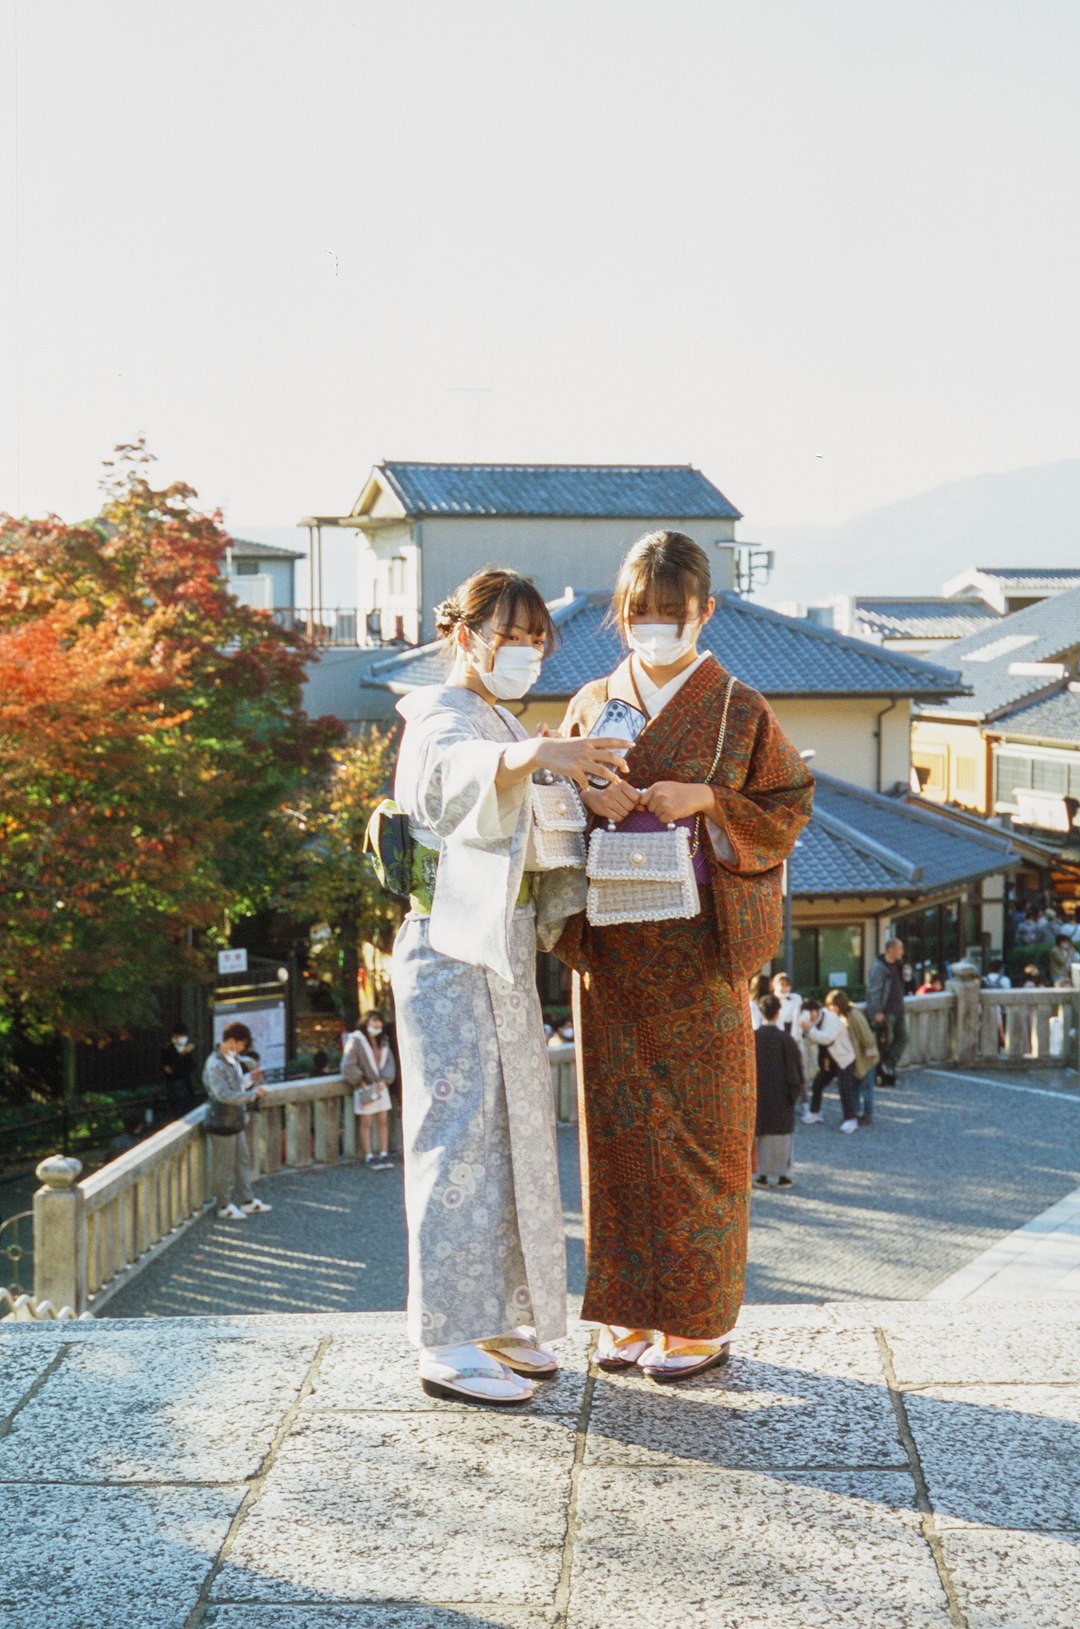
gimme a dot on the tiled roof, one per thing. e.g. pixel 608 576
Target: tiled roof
pixel 935 618
pixel 778 655
pixel 630 491
pixel 245 549
pixel 1053 718
pixel 860 842
pixel 1045 632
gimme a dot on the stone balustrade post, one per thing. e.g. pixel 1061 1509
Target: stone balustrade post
pixel 966 984
pixel 60 1235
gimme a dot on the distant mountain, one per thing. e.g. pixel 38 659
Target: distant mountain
pixel 1027 517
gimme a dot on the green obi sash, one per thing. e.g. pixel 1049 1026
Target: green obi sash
pixel 425 868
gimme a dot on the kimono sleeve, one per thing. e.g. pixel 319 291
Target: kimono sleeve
pixel 763 817
pixel 456 795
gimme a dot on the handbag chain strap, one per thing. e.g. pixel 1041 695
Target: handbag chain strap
pixel 715 765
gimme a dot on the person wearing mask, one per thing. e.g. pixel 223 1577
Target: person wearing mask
pixel 885 1009
pixel 487 1260
pixel 790 1012
pixel 828 1031
pixel 227 1117
pixel 779 1083
pixel 178 1068
pixel 368 1066
pixel 666 1072
pixel 866 1052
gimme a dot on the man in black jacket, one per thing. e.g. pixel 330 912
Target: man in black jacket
pixel 885 1009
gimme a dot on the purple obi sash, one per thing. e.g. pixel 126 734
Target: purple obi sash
pixel 644 820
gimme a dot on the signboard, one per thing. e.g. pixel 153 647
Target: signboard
pixel 264 1015
pixel 232 961
pixel 837 981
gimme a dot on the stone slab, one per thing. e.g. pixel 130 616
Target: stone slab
pixel 408 1508
pixel 1010 1580
pixel 378 1372
pixel 20 1365
pixel 174 1410
pixel 709 1548
pixel 793 1397
pixel 987 1348
pixel 107 1558
pixel 380 1615
pixel 1000 1456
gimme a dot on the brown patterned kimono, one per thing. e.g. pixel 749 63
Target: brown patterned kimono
pixel 667 1052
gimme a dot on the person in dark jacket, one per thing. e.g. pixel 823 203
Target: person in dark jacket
pixel 178 1068
pixel 779 1084
pixel 885 1009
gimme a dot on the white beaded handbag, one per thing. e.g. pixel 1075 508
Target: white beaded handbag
pixel 558 829
pixel 647 876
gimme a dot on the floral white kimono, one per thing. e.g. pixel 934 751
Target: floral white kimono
pixel 486 1249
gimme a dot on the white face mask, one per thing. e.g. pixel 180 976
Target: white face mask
pixel 659 644
pixel 181 1040
pixel 516 670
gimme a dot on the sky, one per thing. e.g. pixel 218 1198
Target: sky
pixel 826 250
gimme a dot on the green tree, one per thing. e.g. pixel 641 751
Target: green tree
pixel 332 885
pixel 151 739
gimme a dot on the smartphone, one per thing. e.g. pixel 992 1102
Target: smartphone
pixel 620 719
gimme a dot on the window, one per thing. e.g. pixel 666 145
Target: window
pixel 245 568
pixel 1050 775
pixel 397 576
pixel 932 766
pixel 1010 771
pixel 965 774
pixel 821 953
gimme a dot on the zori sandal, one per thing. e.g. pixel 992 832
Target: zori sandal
pixel 618 1352
pixel 667 1365
pixel 469 1374
pixel 520 1350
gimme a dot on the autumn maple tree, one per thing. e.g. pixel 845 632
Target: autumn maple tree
pixel 330 884
pixel 151 741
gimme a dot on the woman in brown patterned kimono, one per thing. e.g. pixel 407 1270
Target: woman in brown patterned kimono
pixel 667 1051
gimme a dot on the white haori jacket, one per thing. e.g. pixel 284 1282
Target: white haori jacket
pixel 445 783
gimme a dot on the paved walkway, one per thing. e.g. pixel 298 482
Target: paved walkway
pixel 953 1165
pixel 875 1466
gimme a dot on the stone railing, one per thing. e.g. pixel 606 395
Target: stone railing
pixel 92 1236
pixel 564 1081
pixel 974 1028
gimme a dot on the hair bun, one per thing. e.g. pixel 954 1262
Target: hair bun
pixel 447 616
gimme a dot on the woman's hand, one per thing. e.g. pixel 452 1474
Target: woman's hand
pixel 676 800
pixel 583 755
pixel 615 802
pixel 576 759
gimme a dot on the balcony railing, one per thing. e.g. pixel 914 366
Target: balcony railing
pixel 340 627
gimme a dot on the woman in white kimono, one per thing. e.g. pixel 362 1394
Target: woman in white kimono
pixel 487 1262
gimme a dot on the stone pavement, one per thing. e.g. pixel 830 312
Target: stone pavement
pixel 953 1163
pixel 870 1465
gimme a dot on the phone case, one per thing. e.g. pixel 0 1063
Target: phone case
pixel 618 718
